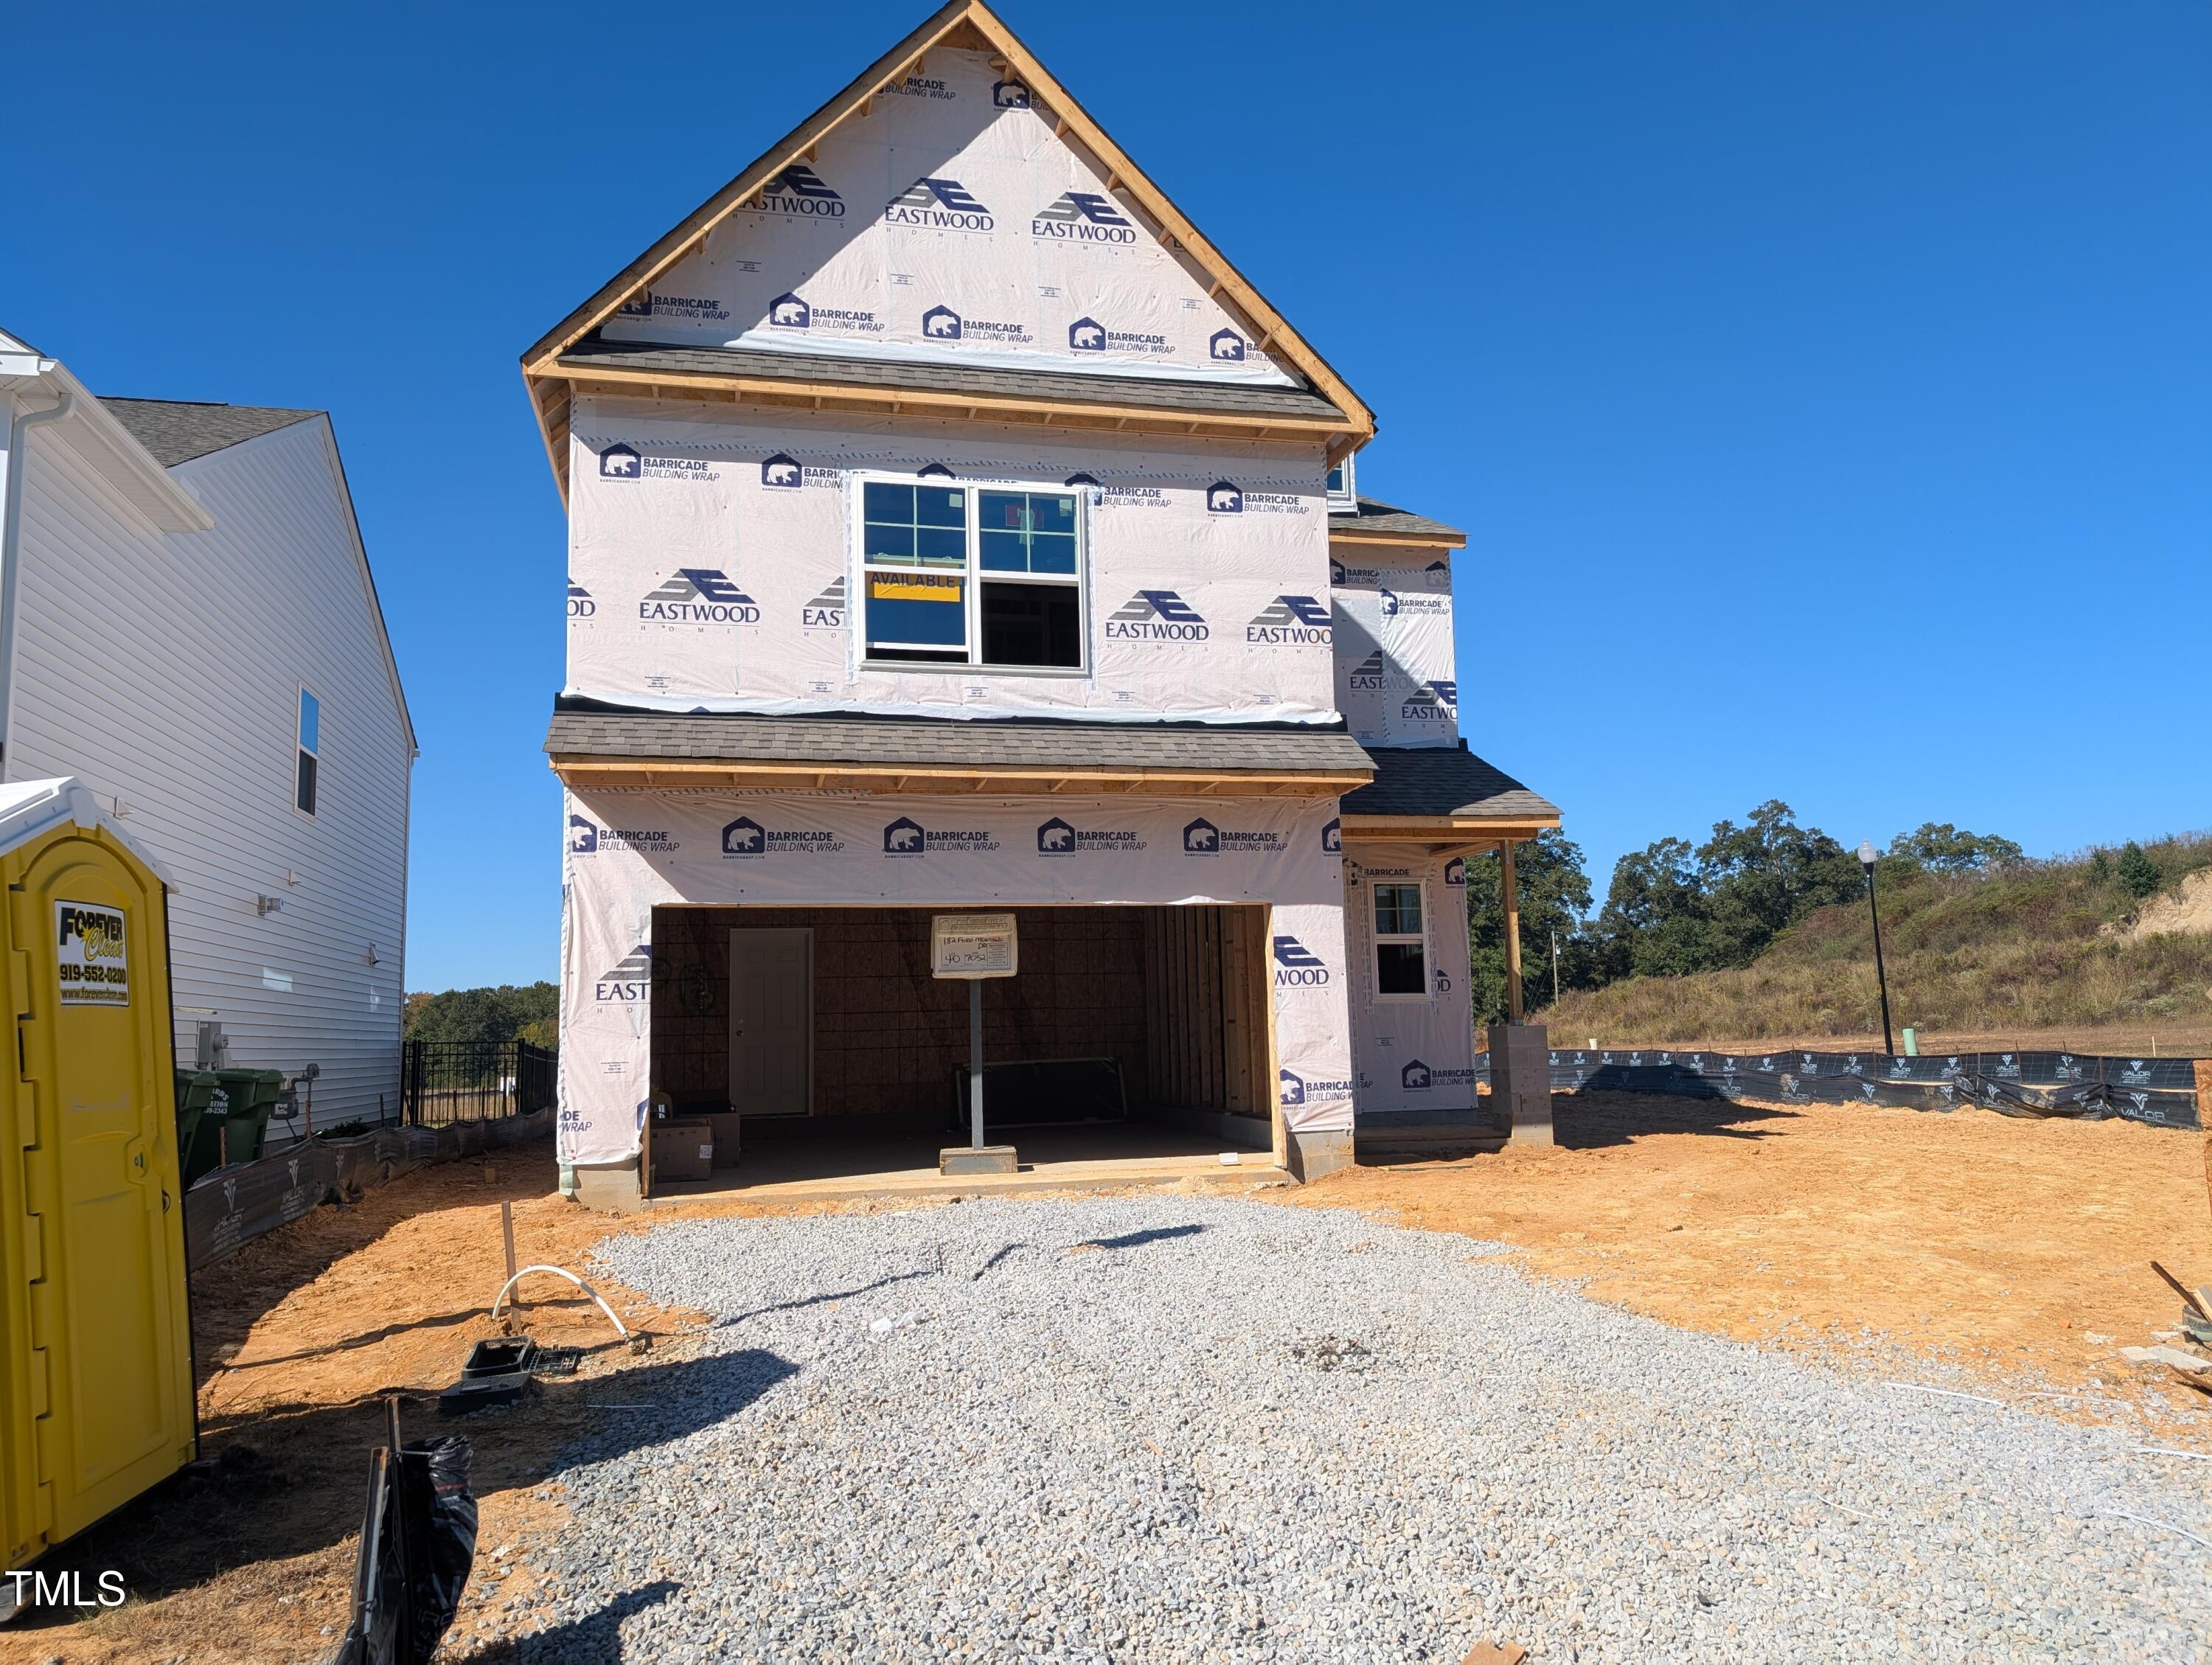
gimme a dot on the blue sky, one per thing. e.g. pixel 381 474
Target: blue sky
pixel 1823 387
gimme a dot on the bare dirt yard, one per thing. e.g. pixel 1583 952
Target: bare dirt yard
pixel 1976 1252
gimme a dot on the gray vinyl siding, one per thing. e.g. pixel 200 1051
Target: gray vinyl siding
pixel 163 670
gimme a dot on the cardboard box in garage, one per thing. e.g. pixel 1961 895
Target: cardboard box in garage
pixel 683 1148
pixel 725 1124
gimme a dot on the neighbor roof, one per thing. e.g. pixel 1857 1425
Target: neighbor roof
pixel 1231 399
pixel 1419 781
pixel 1380 522
pixel 847 740
pixel 177 430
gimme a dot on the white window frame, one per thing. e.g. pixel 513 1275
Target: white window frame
pixel 301 749
pixel 1346 502
pixel 1377 938
pixel 972 575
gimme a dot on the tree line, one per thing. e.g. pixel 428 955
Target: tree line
pixel 1675 908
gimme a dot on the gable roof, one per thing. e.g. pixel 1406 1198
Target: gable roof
pixel 1379 523
pixel 177 430
pixel 957 24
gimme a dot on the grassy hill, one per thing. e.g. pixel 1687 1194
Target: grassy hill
pixel 2038 948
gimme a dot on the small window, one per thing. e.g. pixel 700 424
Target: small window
pixel 311 747
pixel 1400 963
pixel 971 575
pixel 1343 495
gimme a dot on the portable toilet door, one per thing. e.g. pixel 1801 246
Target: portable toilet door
pixel 99 1383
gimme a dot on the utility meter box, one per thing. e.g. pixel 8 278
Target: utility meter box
pixel 95 1340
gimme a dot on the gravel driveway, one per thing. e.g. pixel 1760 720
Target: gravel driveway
pixel 1206 1429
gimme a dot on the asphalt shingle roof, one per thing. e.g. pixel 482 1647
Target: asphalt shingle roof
pixel 1376 520
pixel 951 743
pixel 177 430
pixel 1420 780
pixel 1205 398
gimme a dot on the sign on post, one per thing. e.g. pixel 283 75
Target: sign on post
pixel 971 945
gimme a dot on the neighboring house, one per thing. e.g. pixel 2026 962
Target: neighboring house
pixel 952 526
pixel 188 626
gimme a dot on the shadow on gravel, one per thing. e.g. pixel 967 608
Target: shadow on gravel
pixel 1586 1123
pixel 595 1639
pixel 1157 1234
pixel 828 1295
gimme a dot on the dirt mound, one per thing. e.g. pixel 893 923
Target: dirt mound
pixel 2184 912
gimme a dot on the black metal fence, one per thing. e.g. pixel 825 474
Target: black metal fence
pixel 475 1081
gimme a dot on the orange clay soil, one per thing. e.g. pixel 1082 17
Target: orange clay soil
pixel 2018 1250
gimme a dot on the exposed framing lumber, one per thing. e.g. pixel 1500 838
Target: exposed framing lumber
pixel 958 23
pixel 1463 832
pixel 1397 540
pixel 673 773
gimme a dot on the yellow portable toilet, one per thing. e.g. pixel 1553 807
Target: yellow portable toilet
pixel 96 1397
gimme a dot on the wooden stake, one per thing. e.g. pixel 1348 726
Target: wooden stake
pixel 1513 1007
pixel 507 1234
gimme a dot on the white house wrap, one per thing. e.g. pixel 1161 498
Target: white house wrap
pixel 951 526
pixel 630 851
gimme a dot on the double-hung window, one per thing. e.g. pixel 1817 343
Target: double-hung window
pixel 310 753
pixel 1400 958
pixel 966 574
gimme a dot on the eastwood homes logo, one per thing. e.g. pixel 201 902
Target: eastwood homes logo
pixel 1297 966
pixel 589 838
pixel 581 604
pixel 1292 618
pixel 1083 217
pixel 907 836
pixel 801 193
pixel 791 312
pixel 1059 837
pixel 1202 837
pixel 684 308
pixel 1157 616
pixel 1432 702
pixel 938 205
pixel 1088 334
pixel 623 462
pixel 628 982
pixel 827 611
pixel 699 595
pixel 1115 494
pixel 745 837
pixel 943 324
pixel 1298 1089
pixel 1366 677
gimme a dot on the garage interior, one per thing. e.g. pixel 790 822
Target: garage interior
pixel 1128 1034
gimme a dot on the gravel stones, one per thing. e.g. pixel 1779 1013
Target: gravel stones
pixel 1173 1428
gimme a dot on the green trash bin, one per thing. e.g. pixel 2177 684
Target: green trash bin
pixel 197 1145
pixel 244 1099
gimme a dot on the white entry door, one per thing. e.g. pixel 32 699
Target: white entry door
pixel 771 1021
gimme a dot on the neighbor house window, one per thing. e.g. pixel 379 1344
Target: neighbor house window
pixel 310 750
pixel 971 575
pixel 1400 965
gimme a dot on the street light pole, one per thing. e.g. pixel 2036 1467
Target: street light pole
pixel 1866 859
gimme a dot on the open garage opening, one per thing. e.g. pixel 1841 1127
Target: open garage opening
pixel 818 1045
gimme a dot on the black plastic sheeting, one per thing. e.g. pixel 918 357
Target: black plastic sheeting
pixel 2160 1091
pixel 233 1205
pixel 418 1542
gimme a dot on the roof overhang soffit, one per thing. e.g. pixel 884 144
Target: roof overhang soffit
pixel 943 780
pixel 966 24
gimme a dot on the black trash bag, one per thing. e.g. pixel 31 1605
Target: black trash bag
pixel 441 1535
pixel 418 1542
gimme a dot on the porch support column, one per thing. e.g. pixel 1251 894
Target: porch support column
pixel 1513 1007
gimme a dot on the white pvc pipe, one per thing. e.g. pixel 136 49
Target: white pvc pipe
pixel 560 1272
